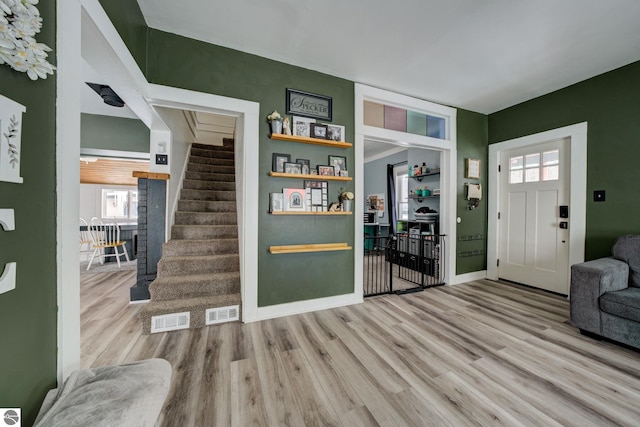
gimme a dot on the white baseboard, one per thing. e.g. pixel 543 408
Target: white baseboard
pixel 469 277
pixel 139 301
pixel 299 307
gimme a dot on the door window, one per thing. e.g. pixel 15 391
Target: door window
pixel 530 168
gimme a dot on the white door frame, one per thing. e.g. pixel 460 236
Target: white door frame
pixel 71 16
pixel 577 135
pixel 448 168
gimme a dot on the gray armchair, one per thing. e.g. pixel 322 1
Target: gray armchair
pixel 605 294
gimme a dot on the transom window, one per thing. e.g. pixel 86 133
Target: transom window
pixel 534 167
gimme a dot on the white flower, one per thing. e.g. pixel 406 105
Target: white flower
pixel 274 116
pixel 347 195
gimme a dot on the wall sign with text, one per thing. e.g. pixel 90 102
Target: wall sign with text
pixel 309 105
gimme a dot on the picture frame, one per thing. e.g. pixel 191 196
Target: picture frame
pixel 309 104
pixel 472 168
pixel 335 132
pixel 318 131
pixel 294 199
pixel 301 126
pixel 276 202
pixel 317 195
pixel 326 170
pixel 306 166
pixel 278 160
pixel 344 173
pixel 339 163
pixel 293 168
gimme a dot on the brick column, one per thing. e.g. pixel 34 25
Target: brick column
pixel 152 208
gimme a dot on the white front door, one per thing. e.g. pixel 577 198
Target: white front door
pixel 533 241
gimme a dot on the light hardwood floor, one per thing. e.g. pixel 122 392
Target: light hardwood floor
pixel 479 354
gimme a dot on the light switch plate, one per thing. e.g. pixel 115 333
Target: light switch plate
pixel 162 159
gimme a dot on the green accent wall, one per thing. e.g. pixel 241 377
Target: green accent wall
pixel 472 135
pixel 127 17
pixel 190 64
pixel 28 314
pixel 610 104
pixel 113 133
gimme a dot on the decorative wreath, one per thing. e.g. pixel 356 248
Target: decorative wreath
pixel 20 21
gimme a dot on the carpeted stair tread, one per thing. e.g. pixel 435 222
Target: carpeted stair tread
pixel 227 145
pixel 214 154
pixel 195 285
pixel 206 206
pixel 211 195
pixel 204 176
pixel 205 218
pixel 193 184
pixel 212 161
pixel 196 306
pixel 190 232
pixel 182 247
pixel 203 167
pixel 198 264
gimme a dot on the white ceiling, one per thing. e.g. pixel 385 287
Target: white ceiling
pixel 482 55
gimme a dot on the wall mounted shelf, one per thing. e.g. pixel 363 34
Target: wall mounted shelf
pixel 419 177
pixel 310 213
pixel 307 140
pixel 314 247
pixel 314 177
pixel 420 198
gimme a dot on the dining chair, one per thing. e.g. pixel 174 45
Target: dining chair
pixel 85 238
pixel 106 236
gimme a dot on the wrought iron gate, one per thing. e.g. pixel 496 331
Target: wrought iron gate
pixel 413 262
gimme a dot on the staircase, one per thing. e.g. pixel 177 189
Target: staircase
pixel 199 269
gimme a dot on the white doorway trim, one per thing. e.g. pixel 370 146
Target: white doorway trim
pixel 71 16
pixel 448 168
pixel 577 135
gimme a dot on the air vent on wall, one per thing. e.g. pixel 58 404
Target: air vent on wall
pixel 170 322
pixel 222 314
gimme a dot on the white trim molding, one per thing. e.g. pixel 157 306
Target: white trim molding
pixel 448 167
pixel 469 277
pixel 577 135
pixel 299 307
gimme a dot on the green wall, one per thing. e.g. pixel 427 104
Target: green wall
pixel 207 68
pixel 610 104
pixel 472 143
pixel 113 133
pixel 28 321
pixel 127 17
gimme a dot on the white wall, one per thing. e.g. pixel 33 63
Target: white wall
pixel 90 199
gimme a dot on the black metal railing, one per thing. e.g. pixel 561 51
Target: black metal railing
pixel 413 262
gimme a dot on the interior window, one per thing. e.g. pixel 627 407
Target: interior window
pixel 119 204
pixel 402 191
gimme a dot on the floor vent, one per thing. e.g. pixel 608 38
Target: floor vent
pixel 223 314
pixel 170 322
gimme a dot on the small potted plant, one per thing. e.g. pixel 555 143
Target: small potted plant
pixel 346 197
pixel 276 122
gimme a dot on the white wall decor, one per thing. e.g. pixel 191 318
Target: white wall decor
pixel 10 138
pixel 8 277
pixel 20 21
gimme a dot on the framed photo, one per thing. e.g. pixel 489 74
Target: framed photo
pixel 275 202
pixel 344 173
pixel 306 167
pixel 295 168
pixel 301 126
pixel 317 195
pixel 472 168
pixel 326 171
pixel 309 105
pixel 278 161
pixel 318 131
pixel 294 199
pixel 339 164
pixel 335 132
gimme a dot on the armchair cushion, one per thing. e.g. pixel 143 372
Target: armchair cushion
pixel 624 303
pixel 627 249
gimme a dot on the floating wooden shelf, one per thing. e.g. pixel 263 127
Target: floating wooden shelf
pixel 424 175
pixel 307 140
pixel 310 213
pixel 314 177
pixel 313 247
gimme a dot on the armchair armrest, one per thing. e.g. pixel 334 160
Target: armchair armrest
pixel 589 280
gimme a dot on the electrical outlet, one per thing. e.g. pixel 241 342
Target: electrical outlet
pixel 162 159
pixel 599 196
